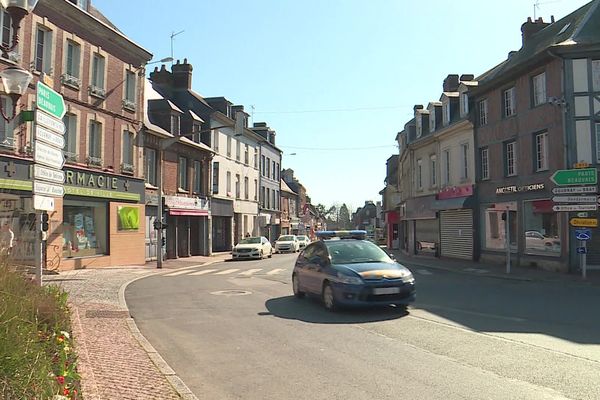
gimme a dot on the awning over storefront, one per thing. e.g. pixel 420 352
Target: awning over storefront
pixel 420 208
pixel 452 204
pixel 190 213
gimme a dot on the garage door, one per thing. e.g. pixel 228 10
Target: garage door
pixel 456 234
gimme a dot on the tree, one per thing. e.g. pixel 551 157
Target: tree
pixel 344 217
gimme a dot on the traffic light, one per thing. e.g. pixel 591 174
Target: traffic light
pixel 159 225
pixel 164 242
pixel 45 220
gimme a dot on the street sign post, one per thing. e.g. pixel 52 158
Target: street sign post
pixel 574 189
pixel 574 207
pixel 48 155
pixel 50 101
pixel 584 222
pixel 49 137
pixel 566 177
pixel 54 124
pixel 48 174
pixel 581 250
pixel 575 199
pixel 43 203
pixel 583 234
pixel 48 189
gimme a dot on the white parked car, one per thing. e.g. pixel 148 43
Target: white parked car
pixel 287 244
pixel 252 247
pixel 303 241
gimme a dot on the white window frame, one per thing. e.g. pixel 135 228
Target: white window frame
pixel 541 151
pixel 150 164
pixel 464 155
pixel 247 155
pixel 175 124
pixel 255 189
pixel 419 125
pixel 229 146
pixel 197 177
pixel 7 31
pixel 215 177
pixel 511 158
pixel 433 170
pixel 91 141
pixel 46 56
pixel 539 89
pixel 238 150
pixel 446 112
pixel 419 174
pixel 432 120
pixel 73 65
pixel 128 152
pixel 130 86
pixel 509 102
pixel 98 71
pixel 446 161
pixel 71 148
pixel 246 192
pixel 464 104
pixel 183 181
pixel 228 183
pixel 485 164
pixel 483 112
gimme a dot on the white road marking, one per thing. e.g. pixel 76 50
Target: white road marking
pixel 275 271
pixel 227 271
pixel 424 272
pixel 204 271
pixel 187 271
pixel 477 270
pixel 250 271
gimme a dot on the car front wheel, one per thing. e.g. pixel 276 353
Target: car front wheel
pixel 328 299
pixel 296 286
pixel 271 253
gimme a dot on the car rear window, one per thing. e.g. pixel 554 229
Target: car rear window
pixel 286 238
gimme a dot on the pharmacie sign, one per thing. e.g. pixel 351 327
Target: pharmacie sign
pixel 519 189
pixel 86 183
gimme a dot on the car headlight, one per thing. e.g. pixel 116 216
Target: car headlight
pixel 349 280
pixel 408 277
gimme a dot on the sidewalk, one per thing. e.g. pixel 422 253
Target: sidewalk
pixel 496 270
pixel 115 360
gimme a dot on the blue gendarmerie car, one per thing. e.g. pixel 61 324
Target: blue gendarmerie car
pixel 345 269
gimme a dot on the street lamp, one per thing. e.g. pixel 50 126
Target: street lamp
pixel 15 81
pixel 17 10
pixel 162 60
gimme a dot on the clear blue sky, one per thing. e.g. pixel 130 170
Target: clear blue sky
pixel 337 79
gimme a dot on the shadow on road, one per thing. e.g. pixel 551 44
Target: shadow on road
pixel 310 310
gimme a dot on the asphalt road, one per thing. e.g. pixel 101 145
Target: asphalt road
pixel 233 330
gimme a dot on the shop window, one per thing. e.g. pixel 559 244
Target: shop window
pixel 542 228
pixel 493 227
pixel 85 230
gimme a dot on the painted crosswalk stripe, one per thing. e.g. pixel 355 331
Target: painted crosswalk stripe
pixel 250 271
pixel 227 271
pixel 204 271
pixel 423 272
pixel 187 271
pixel 275 271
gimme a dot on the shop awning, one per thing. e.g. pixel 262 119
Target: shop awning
pixel 452 204
pixel 190 213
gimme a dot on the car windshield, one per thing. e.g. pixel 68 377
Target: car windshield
pixel 285 238
pixel 251 240
pixel 355 252
pixel 302 237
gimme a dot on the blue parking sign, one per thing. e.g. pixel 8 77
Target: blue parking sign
pixel 582 250
pixel 583 234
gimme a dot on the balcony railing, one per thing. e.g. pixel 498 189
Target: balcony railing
pixel 127 168
pixel 97 91
pixel 70 156
pixel 128 105
pixel 94 161
pixel 70 80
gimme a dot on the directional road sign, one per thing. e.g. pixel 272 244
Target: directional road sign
pixel 574 189
pixel 48 155
pixel 47 120
pixel 50 101
pixel 583 234
pixel 575 207
pixel 49 137
pixel 566 177
pixel 582 215
pixel 582 250
pixel 43 203
pixel 48 189
pixel 584 222
pixel 574 199
pixel 48 174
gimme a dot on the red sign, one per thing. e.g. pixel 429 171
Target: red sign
pixel 453 192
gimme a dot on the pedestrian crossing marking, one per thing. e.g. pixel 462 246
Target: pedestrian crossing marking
pixel 227 271
pixel 423 272
pixel 178 273
pixel 250 271
pixel 275 271
pixel 204 271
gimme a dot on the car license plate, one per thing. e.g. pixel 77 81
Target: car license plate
pixel 386 290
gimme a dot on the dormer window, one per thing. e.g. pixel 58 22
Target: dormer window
pixel 83 4
pixel 432 120
pixel 419 126
pixel 175 124
pixel 464 104
pixel 446 112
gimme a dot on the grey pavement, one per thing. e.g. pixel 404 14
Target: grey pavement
pixel 115 360
pixel 496 270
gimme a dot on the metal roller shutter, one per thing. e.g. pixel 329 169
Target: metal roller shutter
pixel 456 234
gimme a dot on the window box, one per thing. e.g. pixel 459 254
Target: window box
pixel 94 161
pixel 70 157
pixel 70 81
pixel 128 105
pixel 97 92
pixel 127 168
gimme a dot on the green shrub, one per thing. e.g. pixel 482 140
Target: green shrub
pixel 36 356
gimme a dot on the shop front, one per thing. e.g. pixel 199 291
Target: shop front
pixel 100 222
pixel 392 220
pixel 523 216
pixel 423 226
pixel 455 209
pixel 187 226
pixel 222 224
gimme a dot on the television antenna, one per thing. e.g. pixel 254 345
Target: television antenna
pixel 173 34
pixel 537 4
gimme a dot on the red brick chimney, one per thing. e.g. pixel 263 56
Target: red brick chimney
pixel 182 75
pixel 530 28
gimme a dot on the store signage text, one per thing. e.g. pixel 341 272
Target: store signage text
pixel 519 189
pixel 89 180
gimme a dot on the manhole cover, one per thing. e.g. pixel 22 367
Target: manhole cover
pixel 231 293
